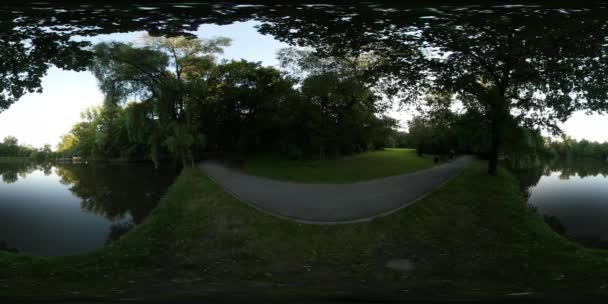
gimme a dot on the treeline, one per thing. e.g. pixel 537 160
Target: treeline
pixel 439 129
pixel 172 98
pixel 10 148
pixel 569 148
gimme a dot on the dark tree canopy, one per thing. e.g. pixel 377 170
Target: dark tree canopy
pixel 348 30
pixel 537 70
pixel 534 64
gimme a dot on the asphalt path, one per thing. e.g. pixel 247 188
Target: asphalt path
pixel 332 203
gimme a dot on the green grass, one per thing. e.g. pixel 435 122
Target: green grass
pixel 472 237
pixel 364 166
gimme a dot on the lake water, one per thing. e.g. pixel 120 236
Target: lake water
pixel 572 196
pixel 67 209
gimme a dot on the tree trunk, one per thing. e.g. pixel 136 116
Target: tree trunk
pixel 155 148
pixel 498 116
pixel 494 149
pixel 192 160
pixel 496 129
pixel 321 152
pixel 183 157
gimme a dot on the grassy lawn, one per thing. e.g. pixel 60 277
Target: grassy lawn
pixel 472 237
pixel 364 166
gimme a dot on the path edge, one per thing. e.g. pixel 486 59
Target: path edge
pixel 345 222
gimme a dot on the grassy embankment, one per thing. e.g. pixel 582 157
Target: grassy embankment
pixel 364 166
pixel 472 237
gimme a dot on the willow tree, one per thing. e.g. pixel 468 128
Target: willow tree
pixel 162 74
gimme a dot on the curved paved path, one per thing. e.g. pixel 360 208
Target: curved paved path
pixel 332 203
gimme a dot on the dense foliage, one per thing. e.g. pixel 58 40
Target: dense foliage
pixel 532 65
pixel 171 98
pixel 439 129
pixel 528 71
pixel 567 147
pixel 10 148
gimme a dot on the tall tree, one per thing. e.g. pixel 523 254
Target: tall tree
pixel 161 73
pixel 534 67
pixel 535 64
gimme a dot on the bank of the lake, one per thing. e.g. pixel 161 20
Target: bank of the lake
pixel 200 242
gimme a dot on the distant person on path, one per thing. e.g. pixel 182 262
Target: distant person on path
pixel 452 153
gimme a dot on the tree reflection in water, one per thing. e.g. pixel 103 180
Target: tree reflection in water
pixel 119 229
pixel 529 178
pixel 117 192
pixel 124 194
pixel 12 171
pixel 578 167
pixel 565 169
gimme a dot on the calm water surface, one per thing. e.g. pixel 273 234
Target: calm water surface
pixel 68 209
pixel 572 196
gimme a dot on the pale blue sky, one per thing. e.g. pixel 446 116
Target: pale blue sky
pixel 39 119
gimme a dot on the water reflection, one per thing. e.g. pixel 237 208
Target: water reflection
pixel 572 197
pixel 65 209
pixel 113 191
pixel 119 229
pixel 11 172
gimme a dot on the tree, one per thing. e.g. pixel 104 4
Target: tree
pixel 244 106
pixel 342 89
pixel 531 65
pixel 11 146
pixel 533 69
pixel 182 142
pixel 569 148
pixel 11 141
pixel 67 145
pixel 28 51
pixel 35 39
pixel 162 74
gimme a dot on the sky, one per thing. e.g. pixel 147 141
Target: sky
pixel 41 118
